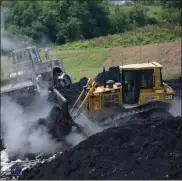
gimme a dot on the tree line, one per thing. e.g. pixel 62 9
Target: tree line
pixel 66 21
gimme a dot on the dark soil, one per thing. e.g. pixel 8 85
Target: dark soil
pixel 140 149
pixel 176 84
pixel 150 149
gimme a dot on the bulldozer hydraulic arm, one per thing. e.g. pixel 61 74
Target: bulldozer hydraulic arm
pixel 89 84
pixel 85 101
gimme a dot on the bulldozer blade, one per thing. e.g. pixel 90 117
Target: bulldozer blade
pixel 63 105
pixel 60 99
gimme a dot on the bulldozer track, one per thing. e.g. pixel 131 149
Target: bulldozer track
pixel 117 120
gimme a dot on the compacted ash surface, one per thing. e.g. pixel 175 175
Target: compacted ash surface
pixel 141 149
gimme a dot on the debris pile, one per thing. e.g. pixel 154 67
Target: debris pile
pixel 140 149
pixel 13 169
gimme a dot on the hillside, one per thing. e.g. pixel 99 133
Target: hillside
pixel 89 62
pixel 139 36
pixel 79 63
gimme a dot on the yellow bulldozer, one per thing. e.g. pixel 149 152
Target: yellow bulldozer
pixel 128 90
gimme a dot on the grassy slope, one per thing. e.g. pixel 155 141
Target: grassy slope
pixel 142 36
pixel 88 63
pixel 79 63
pixel 86 58
pixel 83 63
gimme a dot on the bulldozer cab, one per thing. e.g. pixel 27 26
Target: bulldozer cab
pixel 138 77
pixel 26 60
pixel 22 68
pixel 29 54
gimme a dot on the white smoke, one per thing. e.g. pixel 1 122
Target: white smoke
pixel 19 137
pixel 10 41
pixel 176 109
pixel 88 128
pixel 16 123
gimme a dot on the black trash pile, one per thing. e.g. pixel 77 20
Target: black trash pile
pixel 140 149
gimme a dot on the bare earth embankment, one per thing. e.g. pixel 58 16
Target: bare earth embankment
pixel 87 63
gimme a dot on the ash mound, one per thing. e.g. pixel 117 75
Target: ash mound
pixel 140 149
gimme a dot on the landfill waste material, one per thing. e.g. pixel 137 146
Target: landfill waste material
pixel 79 161
pixel 14 169
pixel 140 149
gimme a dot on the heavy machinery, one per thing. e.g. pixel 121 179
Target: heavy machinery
pixel 28 74
pixel 109 99
pixel 124 91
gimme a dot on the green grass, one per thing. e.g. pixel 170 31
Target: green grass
pixel 85 63
pixel 154 10
pixel 142 36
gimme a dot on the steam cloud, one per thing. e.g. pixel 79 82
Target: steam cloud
pixel 20 135
pixel 11 41
pixel 17 128
pixel 16 122
pixel 175 109
pixel 90 128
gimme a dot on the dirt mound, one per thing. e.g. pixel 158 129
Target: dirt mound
pixel 164 53
pixel 150 149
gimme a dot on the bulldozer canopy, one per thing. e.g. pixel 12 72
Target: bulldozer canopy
pixel 142 66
